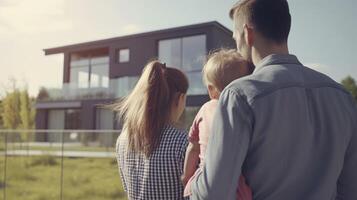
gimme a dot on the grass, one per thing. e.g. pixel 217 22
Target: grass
pixel 39 178
pixel 70 148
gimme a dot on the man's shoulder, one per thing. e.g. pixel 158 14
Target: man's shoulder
pixel 276 77
pixel 249 86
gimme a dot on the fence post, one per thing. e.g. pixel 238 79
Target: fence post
pixel 62 151
pixel 5 166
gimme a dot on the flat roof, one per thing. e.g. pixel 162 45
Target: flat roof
pixel 106 42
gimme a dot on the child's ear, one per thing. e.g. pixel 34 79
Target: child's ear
pixel 213 92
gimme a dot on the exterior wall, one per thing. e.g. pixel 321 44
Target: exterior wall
pixel 143 49
pixel 221 38
pixel 66 69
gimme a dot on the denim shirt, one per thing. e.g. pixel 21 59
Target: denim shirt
pixel 290 130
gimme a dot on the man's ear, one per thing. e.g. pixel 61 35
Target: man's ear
pixel 248 35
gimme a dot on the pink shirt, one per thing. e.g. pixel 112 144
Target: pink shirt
pixel 199 132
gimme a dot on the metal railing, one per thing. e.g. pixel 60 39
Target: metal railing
pixel 54 144
pixel 115 88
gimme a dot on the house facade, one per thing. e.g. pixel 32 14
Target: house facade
pixel 101 72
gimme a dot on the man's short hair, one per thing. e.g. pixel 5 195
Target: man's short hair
pixel 271 18
pixel 224 66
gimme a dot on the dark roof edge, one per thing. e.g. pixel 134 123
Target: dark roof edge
pixel 105 42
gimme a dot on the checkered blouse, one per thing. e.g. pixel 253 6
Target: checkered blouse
pixel 156 177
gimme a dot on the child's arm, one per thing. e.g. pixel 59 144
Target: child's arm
pixel 191 161
pixel 192 151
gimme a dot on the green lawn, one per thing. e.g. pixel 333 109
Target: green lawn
pixel 56 148
pixel 39 178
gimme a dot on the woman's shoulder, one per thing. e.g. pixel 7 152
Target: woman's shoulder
pixel 122 140
pixel 174 132
pixel 174 129
pixel 175 139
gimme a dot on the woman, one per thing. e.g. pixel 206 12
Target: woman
pixel 150 150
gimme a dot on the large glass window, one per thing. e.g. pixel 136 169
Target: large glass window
pixel 55 121
pixel 196 83
pixel 72 119
pixel 170 52
pixel 123 85
pixel 89 71
pixel 62 119
pixel 80 77
pixel 193 52
pixel 186 54
pixel 99 76
pixel 104 119
pixel 78 60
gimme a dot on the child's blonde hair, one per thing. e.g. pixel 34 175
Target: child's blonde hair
pixel 224 66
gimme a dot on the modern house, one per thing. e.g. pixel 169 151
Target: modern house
pixel 99 72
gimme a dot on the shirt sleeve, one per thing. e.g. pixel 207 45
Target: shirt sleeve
pixel 120 162
pixel 347 182
pixel 226 150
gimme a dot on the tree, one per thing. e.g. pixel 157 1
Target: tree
pixel 350 84
pixel 11 109
pixel 26 111
pixel 17 110
pixel 1 111
pixel 42 94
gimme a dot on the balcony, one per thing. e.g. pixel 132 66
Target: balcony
pixel 116 88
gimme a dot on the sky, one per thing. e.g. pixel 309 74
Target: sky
pixel 323 33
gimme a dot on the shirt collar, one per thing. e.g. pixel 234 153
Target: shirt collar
pixel 277 59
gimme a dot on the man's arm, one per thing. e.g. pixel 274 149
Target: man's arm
pixel 347 182
pixel 226 150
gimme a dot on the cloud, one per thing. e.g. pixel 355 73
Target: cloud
pixel 26 16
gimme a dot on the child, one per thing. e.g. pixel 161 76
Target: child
pixel 222 67
pixel 149 141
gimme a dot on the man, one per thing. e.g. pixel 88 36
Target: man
pixel 290 130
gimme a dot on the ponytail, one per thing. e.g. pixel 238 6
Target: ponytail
pixel 147 109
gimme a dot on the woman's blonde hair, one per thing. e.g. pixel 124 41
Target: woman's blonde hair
pixel 147 109
pixel 224 66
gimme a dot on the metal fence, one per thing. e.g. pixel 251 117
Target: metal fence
pixel 25 146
